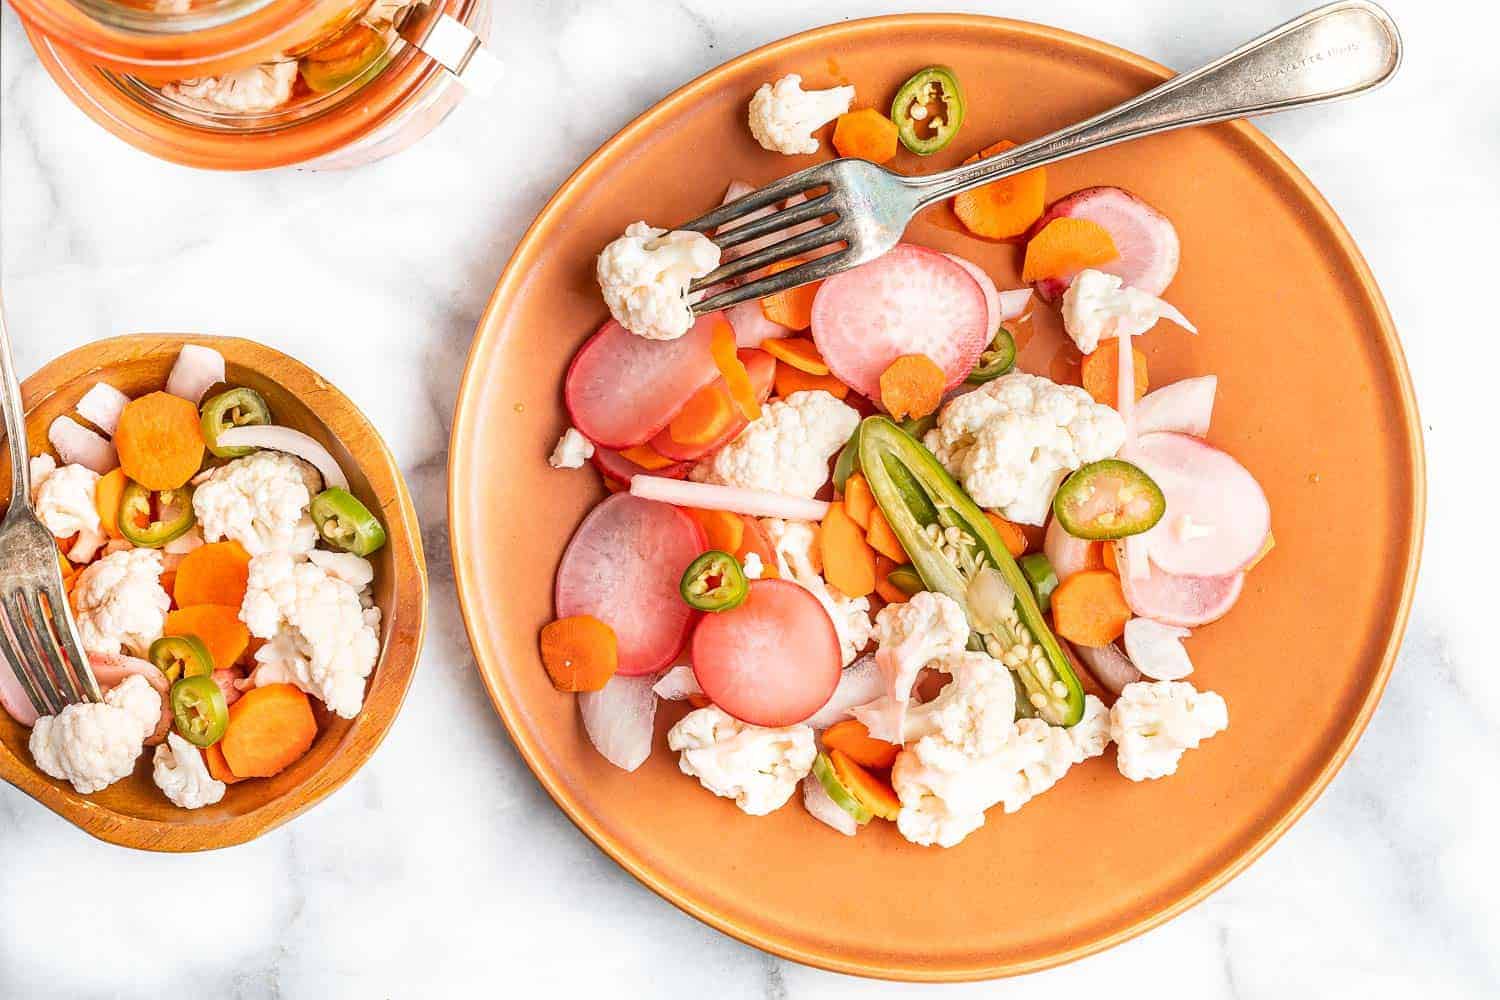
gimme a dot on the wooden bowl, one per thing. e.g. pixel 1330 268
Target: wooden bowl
pixel 133 812
pixel 1314 398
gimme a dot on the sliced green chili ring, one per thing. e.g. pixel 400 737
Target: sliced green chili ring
pixel 1042 577
pixel 1107 500
pixel 822 769
pixel 913 491
pixel 906 579
pixel 345 523
pixel 919 92
pixel 179 656
pixel 995 360
pixel 199 710
pixel 232 408
pixel 714 582
pixel 918 427
pixel 152 518
pixel 847 464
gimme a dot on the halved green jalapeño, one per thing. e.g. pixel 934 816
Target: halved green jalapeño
pixel 1107 500
pixel 179 656
pixel 995 360
pixel 345 523
pixel 916 493
pixel 199 710
pixel 714 582
pixel 926 131
pixel 232 408
pixel 906 579
pixel 152 518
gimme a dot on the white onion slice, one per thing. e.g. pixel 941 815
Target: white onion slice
pixel 1186 406
pixel 1110 667
pixel 677 684
pixel 620 719
pixel 709 496
pixel 76 444
pixel 293 442
pixel 1171 312
pixel 822 807
pixel 1156 649
pixel 102 406
pixel 1013 303
pixel 196 370
pixel 859 684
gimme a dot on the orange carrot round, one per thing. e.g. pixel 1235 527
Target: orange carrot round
pixel 708 412
pixel 793 307
pixel 213 574
pixel 160 441
pixel 799 352
pixel 866 134
pixel 1089 608
pixel 219 627
pixel 1100 373
pixel 853 739
pixel 579 653
pixel 724 530
pixel 848 560
pixel 1066 246
pixel 1003 209
pixel 270 728
pixel 1011 534
pixel 790 379
pixel 912 386
pixel 108 492
pixel 218 767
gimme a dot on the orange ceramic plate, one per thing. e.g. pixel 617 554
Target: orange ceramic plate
pixel 1314 398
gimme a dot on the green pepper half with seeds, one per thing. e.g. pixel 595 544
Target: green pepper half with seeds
pixel 922 130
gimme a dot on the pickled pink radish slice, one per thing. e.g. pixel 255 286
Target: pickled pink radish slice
pixel 196 370
pixel 1187 601
pixel 986 285
pixel 1146 239
pixel 1217 515
pixel 102 406
pixel 622 389
pixel 76 444
pixel 1067 553
pixel 620 720
pixel 772 661
pixel 621 469
pixel 623 567
pixel 13 697
pixel 1186 407
pixel 751 328
pixel 1110 667
pixel 762 369
pixel 111 670
pixel 910 300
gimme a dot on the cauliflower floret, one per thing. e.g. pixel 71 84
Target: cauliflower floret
pixel 94 744
pixel 64 499
pixel 119 603
pixel 645 275
pixel 265 87
pixel 1090 735
pixel 787 449
pixel 1097 306
pixel 753 567
pixel 928 627
pixel 1011 442
pixel 757 767
pixel 573 449
pixel 261 502
pixel 354 570
pixel 322 637
pixel 798 560
pixel 180 773
pixel 1155 722
pixel 783 116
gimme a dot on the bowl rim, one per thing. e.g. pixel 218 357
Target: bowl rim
pixel 399 655
pixel 466 414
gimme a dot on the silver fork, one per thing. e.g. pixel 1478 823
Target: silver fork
pixel 1333 52
pixel 37 637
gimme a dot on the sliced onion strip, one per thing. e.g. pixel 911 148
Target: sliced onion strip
pixel 709 496
pixel 293 442
pixel 76 444
pixel 102 406
pixel 196 370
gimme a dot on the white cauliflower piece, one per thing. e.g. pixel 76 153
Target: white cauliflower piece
pixel 119 604
pixel 1154 722
pixel 94 744
pixel 798 560
pixel 261 88
pixel 753 567
pixel 757 767
pixel 1090 735
pixel 261 502
pixel 645 275
pixel 354 570
pixel 1012 442
pixel 787 449
pixel 572 450
pixel 64 498
pixel 783 116
pixel 1097 306
pixel 179 771
pixel 928 627
pixel 322 637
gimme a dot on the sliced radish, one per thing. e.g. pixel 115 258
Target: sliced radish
pixel 710 496
pixel 1156 649
pixel 623 567
pixel 1146 239
pixel 677 684
pixel 293 442
pixel 13 697
pixel 196 371
pixel 102 406
pixel 111 669
pixel 986 285
pixel 621 469
pixel 621 389
pixel 1067 553
pixel 911 300
pixel 1188 601
pixel 762 370
pixel 772 661
pixel 859 684
pixel 1110 667
pixel 620 720
pixel 1186 407
pixel 751 328
pixel 1217 515
pixel 76 444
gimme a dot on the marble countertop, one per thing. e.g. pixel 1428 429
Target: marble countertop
pixel 443 868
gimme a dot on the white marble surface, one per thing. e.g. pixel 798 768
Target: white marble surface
pixel 443 868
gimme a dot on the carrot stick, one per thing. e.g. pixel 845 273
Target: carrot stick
pixel 790 380
pixel 859 500
pixel 1089 608
pixel 1100 373
pixel 213 574
pixel 736 376
pixel 723 530
pixel 646 457
pixel 579 653
pixel 848 561
pixel 1002 209
pixel 270 728
pixel 793 307
pixel 1011 534
pixel 866 134
pixel 911 386
pixel 875 794
pixel 854 740
pixel 219 627
pixel 708 412
pixel 160 441
pixel 218 767
pixel 108 492
pixel 799 352
pixel 1066 246
pixel 883 539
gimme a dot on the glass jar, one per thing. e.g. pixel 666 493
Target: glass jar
pixel 253 84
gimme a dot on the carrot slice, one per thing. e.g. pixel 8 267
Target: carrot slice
pixel 725 531
pixel 1011 534
pixel 874 793
pixel 213 574
pixel 848 560
pixel 706 416
pixel 756 540
pixel 218 767
pixel 160 441
pixel 1089 608
pixel 883 540
pixel 219 627
pixel 1003 209
pixel 646 457
pixel 1101 373
pixel 1066 246
pixel 270 728
pixel 852 739
pixel 912 386
pixel 866 134
pixel 888 591
pixel 579 653
pixel 793 307
pixel 859 500
pixel 799 352
pixel 108 492
pixel 790 380
pixel 736 376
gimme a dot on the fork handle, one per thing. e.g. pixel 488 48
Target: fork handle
pixel 1336 51
pixel 15 422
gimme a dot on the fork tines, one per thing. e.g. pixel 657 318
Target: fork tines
pixel 41 650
